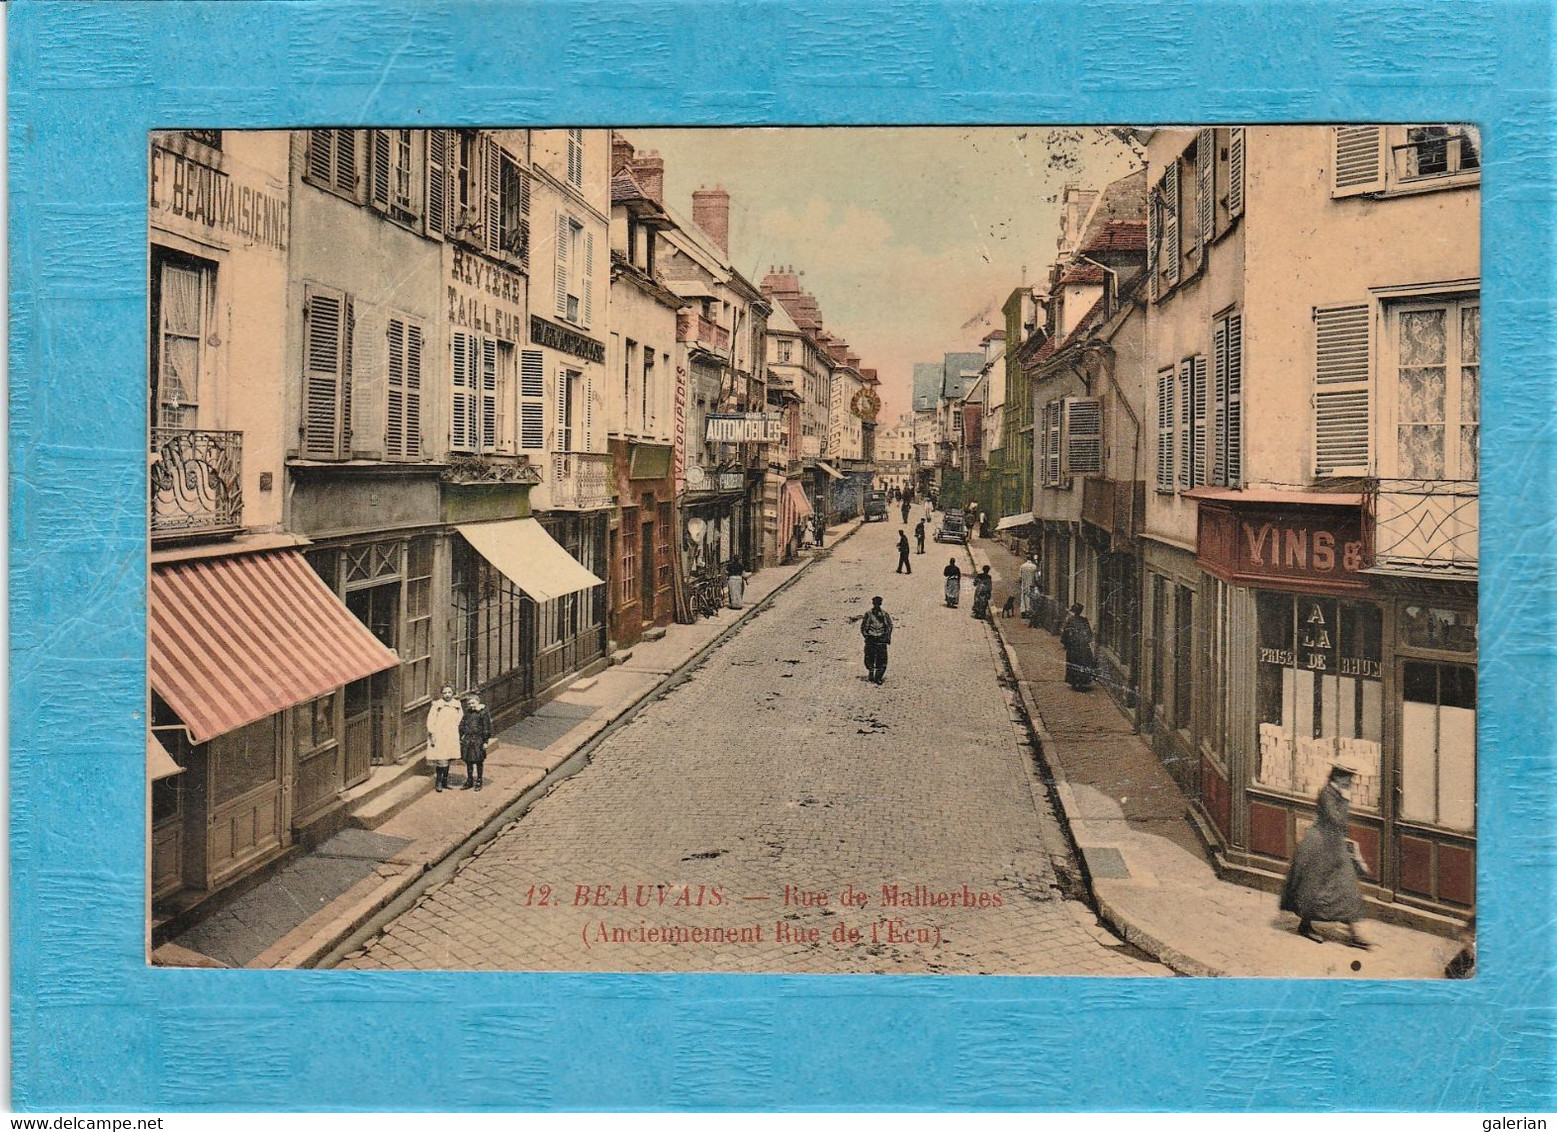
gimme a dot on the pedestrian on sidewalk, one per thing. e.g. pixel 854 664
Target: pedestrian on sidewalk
pixel 983 591
pixel 903 565
pixel 1080 659
pixel 905 510
pixel 475 730
pixel 820 524
pixel 953 575
pixel 1323 882
pixel 735 583
pixel 443 735
pixel 919 535
pixel 876 628
pixel 1027 580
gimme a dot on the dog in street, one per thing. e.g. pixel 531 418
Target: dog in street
pixel 1009 608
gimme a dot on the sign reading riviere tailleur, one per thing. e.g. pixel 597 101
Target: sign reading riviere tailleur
pixel 1318 548
pixel 555 337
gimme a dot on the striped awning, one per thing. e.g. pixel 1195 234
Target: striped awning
pixel 797 499
pixel 232 640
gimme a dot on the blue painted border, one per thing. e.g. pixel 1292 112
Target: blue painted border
pixel 93 1028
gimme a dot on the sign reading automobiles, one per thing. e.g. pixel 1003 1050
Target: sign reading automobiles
pixel 738 428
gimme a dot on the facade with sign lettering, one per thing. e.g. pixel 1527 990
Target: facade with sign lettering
pixel 1314 438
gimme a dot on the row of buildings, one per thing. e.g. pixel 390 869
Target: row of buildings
pixel 458 406
pixel 1238 422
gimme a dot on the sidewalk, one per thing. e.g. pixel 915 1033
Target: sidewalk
pixel 307 909
pixel 1150 875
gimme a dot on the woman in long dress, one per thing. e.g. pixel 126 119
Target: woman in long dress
pixel 1080 659
pixel 1323 882
pixel 953 575
pixel 735 583
pixel 443 735
pixel 983 591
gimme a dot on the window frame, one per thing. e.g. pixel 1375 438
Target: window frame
pixel 1387 369
pixel 163 257
pixel 331 183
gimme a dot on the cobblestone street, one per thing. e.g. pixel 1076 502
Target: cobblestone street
pixel 777 767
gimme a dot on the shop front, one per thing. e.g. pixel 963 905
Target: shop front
pixel 642 591
pixel 1311 663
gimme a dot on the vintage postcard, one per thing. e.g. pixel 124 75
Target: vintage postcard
pixel 1044 551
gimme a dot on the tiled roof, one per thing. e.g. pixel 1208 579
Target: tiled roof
pixel 1118 236
pixel 1082 273
pixel 624 188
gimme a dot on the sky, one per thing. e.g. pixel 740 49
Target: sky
pixel 910 238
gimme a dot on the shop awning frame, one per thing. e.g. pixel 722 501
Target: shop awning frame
pixel 830 470
pixel 522 551
pixel 1010 522
pixel 799 499
pixel 232 640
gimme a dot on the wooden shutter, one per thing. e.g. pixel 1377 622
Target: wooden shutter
pixel 532 400
pixel 413 390
pixel 1186 408
pixel 564 414
pixel 345 160
pixel 1153 235
pixel 380 162
pixel 522 242
pixel 394 393
pixel 487 396
pixel 1359 160
pixel 588 282
pixel 1083 436
pixel 1165 429
pixel 1170 223
pixel 324 338
pixel 464 409
pixel 1205 187
pixel 1198 425
pixel 491 198
pixel 321 156
pixel 575 157
pixel 564 234
pixel 439 191
pixel 1052 455
pixel 1235 166
pixel 1342 389
pixel 589 412
pixel 1230 428
pixel 1218 420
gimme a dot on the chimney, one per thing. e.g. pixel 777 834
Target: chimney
pixel 621 154
pixel 648 170
pixel 711 213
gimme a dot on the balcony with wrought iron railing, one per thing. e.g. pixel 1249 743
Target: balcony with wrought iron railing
pixel 581 481
pixel 1424 527
pixel 196 483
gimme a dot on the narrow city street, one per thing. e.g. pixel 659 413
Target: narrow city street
pixel 777 812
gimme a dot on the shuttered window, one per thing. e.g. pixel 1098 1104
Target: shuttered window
pixel 565 410
pixel 1235 167
pixel 564 238
pixel 1358 153
pixel 1227 394
pixel 576 158
pixel 1205 188
pixel 587 279
pixel 1199 434
pixel 1083 436
pixel 1342 371
pixel 1165 428
pixel 1186 409
pixel 403 395
pixel 463 401
pixel 532 401
pixel 487 426
pixel 514 209
pixel 440 192
pixel 1170 224
pixel 480 380
pixel 1052 422
pixel 389 172
pixel 327 344
pixel 491 195
pixel 332 159
pixel 1153 240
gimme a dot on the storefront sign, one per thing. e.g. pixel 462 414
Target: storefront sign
pixel 201 196
pixel 738 428
pixel 555 337
pixel 478 292
pixel 679 433
pixel 1306 548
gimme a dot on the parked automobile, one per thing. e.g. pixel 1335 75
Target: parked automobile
pixel 953 528
pixel 875 506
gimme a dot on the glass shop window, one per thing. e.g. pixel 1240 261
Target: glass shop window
pixel 1438 745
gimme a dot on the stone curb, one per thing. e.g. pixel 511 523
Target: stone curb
pixel 323 932
pixel 1108 912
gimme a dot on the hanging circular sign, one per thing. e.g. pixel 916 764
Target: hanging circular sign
pixel 696 477
pixel 866 404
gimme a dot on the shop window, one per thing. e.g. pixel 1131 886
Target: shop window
pixel 1428 627
pixel 1438 744
pixel 662 536
pixel 244 760
pixel 628 592
pixel 1184 658
pixel 416 656
pixel 166 799
pixel 313 724
pixel 488 627
pixel 1320 693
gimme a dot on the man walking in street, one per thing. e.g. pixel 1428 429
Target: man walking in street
pixel 919 535
pixel 1028 581
pixel 905 510
pixel 876 628
pixel 903 566
pixel 821 528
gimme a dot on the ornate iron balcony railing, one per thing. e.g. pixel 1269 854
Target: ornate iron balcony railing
pixel 196 482
pixel 1425 525
pixel 581 481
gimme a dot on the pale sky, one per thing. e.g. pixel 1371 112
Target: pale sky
pixel 910 238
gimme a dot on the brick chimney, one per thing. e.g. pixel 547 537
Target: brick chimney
pixel 621 154
pixel 648 169
pixel 711 213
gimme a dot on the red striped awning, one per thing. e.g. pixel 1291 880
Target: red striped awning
pixel 232 640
